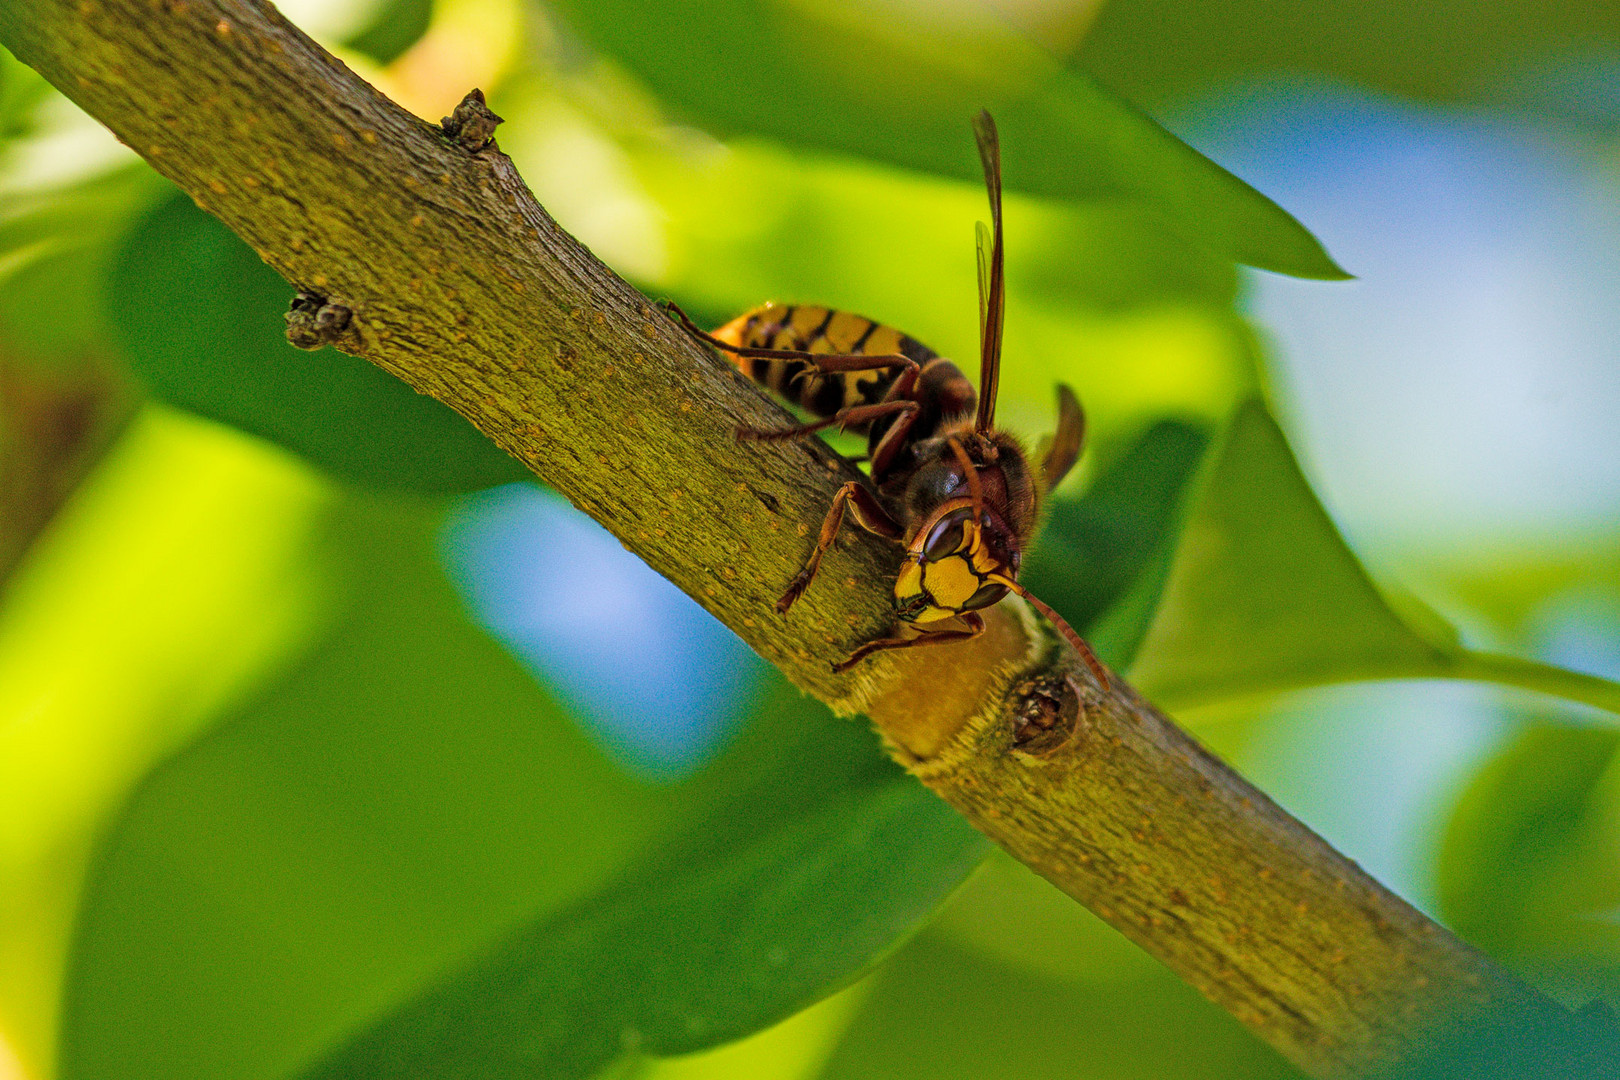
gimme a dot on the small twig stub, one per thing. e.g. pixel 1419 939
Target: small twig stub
pixel 312 322
pixel 472 125
pixel 1047 715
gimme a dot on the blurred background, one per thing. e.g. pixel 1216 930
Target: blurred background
pixel 235 633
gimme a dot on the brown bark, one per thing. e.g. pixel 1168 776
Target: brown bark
pixel 458 282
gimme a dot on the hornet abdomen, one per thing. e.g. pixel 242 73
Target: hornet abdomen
pixel 942 389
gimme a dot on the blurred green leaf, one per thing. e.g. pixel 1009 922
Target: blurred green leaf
pixel 1264 595
pixel 1116 255
pixel 1110 550
pixel 1539 1041
pixel 396 26
pixel 1008 913
pixel 1163 51
pixel 897 83
pixel 1542 678
pixel 21 88
pixel 795 1049
pixel 202 321
pixel 392 806
pixel 64 392
pixel 941 1013
pixel 1528 866
pixel 185 572
pixel 56 251
pixel 787 891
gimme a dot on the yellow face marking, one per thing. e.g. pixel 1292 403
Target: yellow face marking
pixel 909 583
pixel 932 614
pixel 951 582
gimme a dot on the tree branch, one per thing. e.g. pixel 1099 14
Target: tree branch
pixel 459 283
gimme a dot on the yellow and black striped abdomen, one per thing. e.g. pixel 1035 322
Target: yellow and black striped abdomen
pixel 815 329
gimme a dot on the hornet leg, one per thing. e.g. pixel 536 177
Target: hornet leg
pixel 855 414
pixel 868 511
pixel 972 619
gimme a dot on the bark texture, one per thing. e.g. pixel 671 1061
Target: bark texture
pixel 458 282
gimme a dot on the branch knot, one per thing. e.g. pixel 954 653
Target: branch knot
pixel 1046 717
pixel 312 322
pixel 472 125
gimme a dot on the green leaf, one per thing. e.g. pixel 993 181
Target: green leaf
pixel 185 572
pixel 347 855
pixel 401 798
pixel 769 905
pixel 897 83
pixel 795 1049
pixel 1527 870
pixel 1540 1039
pixel 1449 50
pixel 1541 678
pixel 816 857
pixel 1112 545
pixel 942 1012
pixel 1264 595
pixel 56 251
pixel 202 321
pixel 1264 592
pixel 1527 865
pixel 21 88
pixel 396 26
pixel 1008 913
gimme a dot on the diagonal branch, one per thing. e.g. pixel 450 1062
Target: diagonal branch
pixel 458 282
